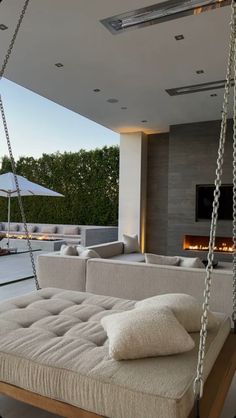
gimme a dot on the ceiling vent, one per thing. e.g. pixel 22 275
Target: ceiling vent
pixel 158 13
pixel 195 88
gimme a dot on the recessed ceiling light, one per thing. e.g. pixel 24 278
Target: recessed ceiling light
pixel 144 121
pixel 200 71
pixel 160 12
pixel 214 95
pixel 96 90
pixel 3 27
pixel 123 107
pixel 112 100
pixel 59 65
pixel 179 37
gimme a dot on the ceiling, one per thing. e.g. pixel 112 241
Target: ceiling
pixel 134 67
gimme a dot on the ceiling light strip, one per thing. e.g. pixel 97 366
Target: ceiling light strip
pixel 195 88
pixel 161 12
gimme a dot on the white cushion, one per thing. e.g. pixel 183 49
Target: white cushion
pixel 131 244
pixel 80 249
pixel 186 308
pixel 71 230
pixel 48 229
pixel 161 260
pixel 143 333
pixel 191 262
pixel 87 253
pixel 68 250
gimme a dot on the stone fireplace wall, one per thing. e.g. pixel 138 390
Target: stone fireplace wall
pixel 177 162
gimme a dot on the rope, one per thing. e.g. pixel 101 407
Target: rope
pixel 198 382
pixel 13 165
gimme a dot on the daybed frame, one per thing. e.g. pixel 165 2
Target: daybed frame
pixel 215 389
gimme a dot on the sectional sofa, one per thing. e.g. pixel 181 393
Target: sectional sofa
pixel 128 276
pixel 85 234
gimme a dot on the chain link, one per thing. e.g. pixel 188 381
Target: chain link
pixel 12 43
pixel 234 189
pixel 199 382
pixel 13 165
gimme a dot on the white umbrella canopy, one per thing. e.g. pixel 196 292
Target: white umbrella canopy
pixel 27 188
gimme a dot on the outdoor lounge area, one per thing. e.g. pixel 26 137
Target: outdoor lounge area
pixel 117 262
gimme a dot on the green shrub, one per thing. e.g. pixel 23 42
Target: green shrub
pixel 89 180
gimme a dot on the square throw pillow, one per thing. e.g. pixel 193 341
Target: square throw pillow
pixel 87 253
pixel 191 262
pixel 141 333
pixel 186 308
pixel 162 260
pixel 14 228
pixel 68 250
pixel 131 244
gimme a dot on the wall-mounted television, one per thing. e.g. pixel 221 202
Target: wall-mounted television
pixel 204 201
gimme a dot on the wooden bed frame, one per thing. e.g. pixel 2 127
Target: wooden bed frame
pixel 215 390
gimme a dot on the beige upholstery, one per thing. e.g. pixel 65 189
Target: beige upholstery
pixel 52 343
pixel 140 280
pixel 62 271
pixel 110 249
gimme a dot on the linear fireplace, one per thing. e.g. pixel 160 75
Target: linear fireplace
pixel 200 243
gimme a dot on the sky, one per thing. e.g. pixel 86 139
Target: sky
pixel 37 125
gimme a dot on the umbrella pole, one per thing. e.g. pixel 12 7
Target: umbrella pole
pixel 9 215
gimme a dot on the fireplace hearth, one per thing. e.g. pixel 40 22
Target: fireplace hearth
pixel 201 243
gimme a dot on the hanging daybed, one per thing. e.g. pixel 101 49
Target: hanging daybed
pixel 54 350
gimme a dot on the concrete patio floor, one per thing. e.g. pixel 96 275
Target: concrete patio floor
pixel 10 408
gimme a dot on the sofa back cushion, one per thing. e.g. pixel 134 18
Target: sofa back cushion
pixel 137 281
pixel 71 230
pixel 48 229
pixel 109 249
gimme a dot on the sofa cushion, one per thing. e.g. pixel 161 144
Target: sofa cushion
pixel 88 253
pixel 48 229
pixel 131 244
pixel 143 333
pixel 2 227
pixel 109 249
pixel 133 257
pixel 191 262
pixel 186 308
pixel 31 229
pixel 13 228
pixel 161 260
pixel 71 230
pixel 68 250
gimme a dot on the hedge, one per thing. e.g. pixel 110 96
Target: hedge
pixel 89 180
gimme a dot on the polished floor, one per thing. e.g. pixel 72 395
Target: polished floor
pixel 12 409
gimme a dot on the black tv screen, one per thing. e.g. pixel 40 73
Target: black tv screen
pixel 204 201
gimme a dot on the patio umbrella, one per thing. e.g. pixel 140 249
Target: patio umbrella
pixel 27 188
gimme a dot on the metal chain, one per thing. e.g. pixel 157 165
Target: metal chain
pixel 234 190
pixel 12 43
pixel 2 71
pixel 198 382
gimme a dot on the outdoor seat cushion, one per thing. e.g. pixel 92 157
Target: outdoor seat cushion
pixel 133 257
pixel 52 343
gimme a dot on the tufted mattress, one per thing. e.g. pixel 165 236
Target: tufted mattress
pixel 52 343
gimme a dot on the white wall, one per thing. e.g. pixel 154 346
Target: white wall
pixel 132 193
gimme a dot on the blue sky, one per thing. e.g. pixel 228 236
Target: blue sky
pixel 38 125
